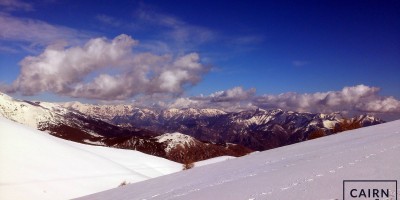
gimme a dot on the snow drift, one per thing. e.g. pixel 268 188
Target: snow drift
pixel 36 165
pixel 310 170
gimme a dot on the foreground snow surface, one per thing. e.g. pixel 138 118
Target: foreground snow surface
pixel 213 160
pixel 309 170
pixel 35 165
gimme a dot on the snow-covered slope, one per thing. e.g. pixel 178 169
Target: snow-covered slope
pixel 29 113
pixel 213 160
pixel 309 170
pixel 36 165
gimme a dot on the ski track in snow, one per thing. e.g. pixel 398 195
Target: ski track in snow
pixel 281 189
pixel 309 179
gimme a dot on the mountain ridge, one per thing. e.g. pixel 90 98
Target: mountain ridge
pixel 256 129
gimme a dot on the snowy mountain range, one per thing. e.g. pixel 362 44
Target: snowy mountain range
pixel 256 129
pixel 125 126
pixel 76 126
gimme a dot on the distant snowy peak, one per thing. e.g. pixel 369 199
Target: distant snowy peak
pixel 255 120
pixel 174 140
pixel 212 112
pixel 191 112
pixel 175 137
pixel 100 111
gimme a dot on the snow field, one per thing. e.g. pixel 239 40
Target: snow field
pixel 35 165
pixel 309 170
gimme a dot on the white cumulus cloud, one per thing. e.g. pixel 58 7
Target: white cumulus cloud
pixel 106 70
pixel 233 94
pixel 359 98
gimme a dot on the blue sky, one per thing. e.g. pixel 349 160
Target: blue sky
pixel 275 47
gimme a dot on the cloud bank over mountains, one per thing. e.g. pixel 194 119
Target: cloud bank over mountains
pixel 356 98
pixel 106 70
pixel 349 100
